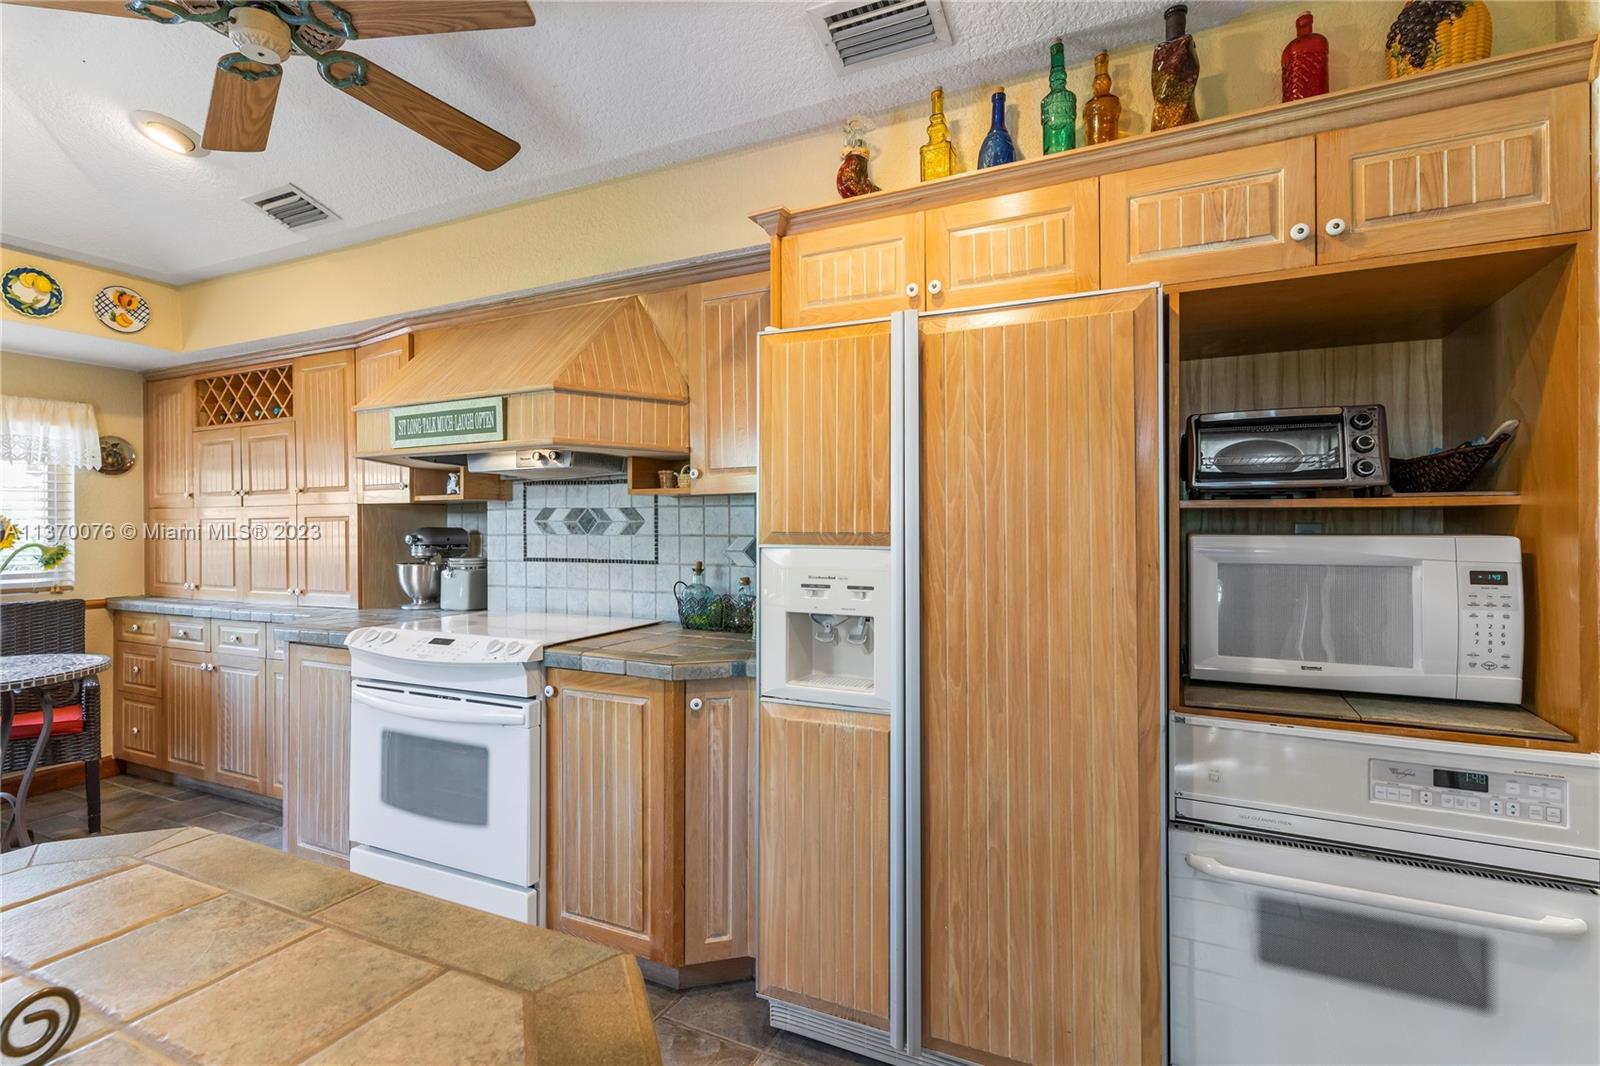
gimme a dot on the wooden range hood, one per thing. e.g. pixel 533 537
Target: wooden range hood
pixel 595 377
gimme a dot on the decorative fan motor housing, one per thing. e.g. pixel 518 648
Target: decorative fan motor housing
pixel 259 35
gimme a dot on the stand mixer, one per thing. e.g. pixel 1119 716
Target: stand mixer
pixel 429 545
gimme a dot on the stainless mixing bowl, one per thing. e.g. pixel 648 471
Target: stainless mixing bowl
pixel 420 581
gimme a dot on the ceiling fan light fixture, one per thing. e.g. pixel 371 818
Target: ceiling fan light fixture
pixel 169 133
pixel 259 35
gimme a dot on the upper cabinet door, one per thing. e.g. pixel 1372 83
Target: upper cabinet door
pixel 267 464
pixel 825 424
pixel 1043 242
pixel 846 273
pixel 216 467
pixel 1217 216
pixel 375 363
pixel 324 392
pixel 328 571
pixel 168 423
pixel 1509 168
pixel 269 555
pixel 725 317
pixel 171 554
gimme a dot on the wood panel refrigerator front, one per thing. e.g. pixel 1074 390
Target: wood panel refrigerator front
pixel 1040 659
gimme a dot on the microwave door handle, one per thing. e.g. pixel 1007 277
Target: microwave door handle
pixel 1549 925
pixel 430 710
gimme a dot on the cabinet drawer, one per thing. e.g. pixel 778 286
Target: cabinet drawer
pixel 140 628
pixel 138 666
pixel 138 729
pixel 191 633
pixel 242 638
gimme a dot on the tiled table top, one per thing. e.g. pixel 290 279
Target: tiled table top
pixel 189 946
pixel 666 652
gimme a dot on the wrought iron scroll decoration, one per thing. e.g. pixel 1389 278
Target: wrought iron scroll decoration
pixel 60 1020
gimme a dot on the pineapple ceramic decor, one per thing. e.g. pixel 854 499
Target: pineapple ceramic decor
pixel 1431 34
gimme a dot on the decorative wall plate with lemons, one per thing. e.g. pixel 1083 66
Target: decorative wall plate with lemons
pixel 32 292
pixel 120 308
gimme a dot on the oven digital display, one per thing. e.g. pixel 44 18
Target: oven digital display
pixel 442 640
pixel 1462 779
pixel 1489 577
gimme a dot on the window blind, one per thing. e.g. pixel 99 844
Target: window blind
pixel 38 498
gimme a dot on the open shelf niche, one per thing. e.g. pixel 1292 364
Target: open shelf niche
pixel 1451 346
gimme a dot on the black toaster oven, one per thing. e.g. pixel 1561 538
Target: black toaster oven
pixel 1295 451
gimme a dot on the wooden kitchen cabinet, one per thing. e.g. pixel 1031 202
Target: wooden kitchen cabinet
pixel 1040 242
pixel 614 865
pixel 324 542
pixel 724 320
pixel 859 270
pixel 1211 217
pixel 375 363
pixel 316 790
pixel 138 730
pixel 324 392
pixel 217 470
pixel 824 861
pixel 187 697
pixel 825 423
pixel 218 560
pixel 269 553
pixel 277 733
pixel 267 464
pixel 239 711
pixel 171 553
pixel 168 426
pixel 718 829
pixel 1513 167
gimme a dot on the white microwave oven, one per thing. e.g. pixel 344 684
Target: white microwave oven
pixel 1432 616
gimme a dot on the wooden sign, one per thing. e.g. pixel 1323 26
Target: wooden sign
pixel 448 422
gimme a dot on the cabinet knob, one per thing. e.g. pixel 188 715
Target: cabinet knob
pixel 133 669
pixel 549 692
pixel 1335 227
pixel 188 495
pixel 694 471
pixel 696 703
pixel 1300 231
pixel 134 730
pixel 234 637
pixel 935 287
pixel 134 628
pixel 912 289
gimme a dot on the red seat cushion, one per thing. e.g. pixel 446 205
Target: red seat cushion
pixel 28 724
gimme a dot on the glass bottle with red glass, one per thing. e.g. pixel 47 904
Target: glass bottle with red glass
pixel 1305 62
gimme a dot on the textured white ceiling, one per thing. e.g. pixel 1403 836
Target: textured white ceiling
pixel 596 90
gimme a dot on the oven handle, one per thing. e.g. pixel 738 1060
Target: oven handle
pixel 430 710
pixel 1549 925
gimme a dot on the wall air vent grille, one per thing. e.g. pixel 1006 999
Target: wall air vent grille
pixel 855 33
pixel 293 208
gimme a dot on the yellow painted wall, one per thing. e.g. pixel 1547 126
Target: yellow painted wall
pixel 105 567
pixel 79 283
pixel 701 207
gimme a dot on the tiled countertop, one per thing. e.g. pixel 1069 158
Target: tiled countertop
pixel 187 945
pixel 666 652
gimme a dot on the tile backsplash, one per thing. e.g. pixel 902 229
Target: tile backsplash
pixel 587 547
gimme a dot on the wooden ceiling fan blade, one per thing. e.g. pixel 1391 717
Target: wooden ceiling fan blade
pixel 242 102
pixel 452 130
pixel 88 7
pixel 403 18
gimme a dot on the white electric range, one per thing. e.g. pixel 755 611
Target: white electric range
pixel 447 754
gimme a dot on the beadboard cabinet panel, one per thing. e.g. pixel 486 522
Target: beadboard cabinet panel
pixel 324 392
pixel 1494 171
pixel 1212 217
pixel 187 695
pixel 725 318
pixel 171 553
pixel 375 363
pixel 324 540
pixel 168 426
pixel 219 558
pixel 217 467
pixel 855 271
pixel 718 841
pixel 1043 242
pixel 316 793
pixel 240 726
pixel 825 426
pixel 138 736
pixel 268 457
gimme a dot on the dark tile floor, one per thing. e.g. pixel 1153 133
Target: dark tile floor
pixel 723 1025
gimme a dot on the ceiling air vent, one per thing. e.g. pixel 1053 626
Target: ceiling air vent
pixel 293 208
pixel 855 33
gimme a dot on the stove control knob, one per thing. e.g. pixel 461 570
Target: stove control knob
pixel 495 646
pixel 387 635
pixel 516 647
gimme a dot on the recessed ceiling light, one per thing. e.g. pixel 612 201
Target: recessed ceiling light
pixel 169 133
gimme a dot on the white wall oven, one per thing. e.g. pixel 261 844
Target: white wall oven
pixel 1367 900
pixel 1431 616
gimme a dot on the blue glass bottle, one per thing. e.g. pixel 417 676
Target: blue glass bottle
pixel 997 145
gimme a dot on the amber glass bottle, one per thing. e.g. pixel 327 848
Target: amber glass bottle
pixel 1103 111
pixel 938 155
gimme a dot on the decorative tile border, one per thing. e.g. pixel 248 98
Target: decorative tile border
pixel 592 522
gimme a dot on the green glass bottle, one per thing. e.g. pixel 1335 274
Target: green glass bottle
pixel 1058 111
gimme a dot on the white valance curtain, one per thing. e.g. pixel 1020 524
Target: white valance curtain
pixel 53 432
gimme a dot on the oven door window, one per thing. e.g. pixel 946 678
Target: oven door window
pixel 439 779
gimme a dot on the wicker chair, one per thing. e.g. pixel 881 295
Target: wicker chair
pixel 36 627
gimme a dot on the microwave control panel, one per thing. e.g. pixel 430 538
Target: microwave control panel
pixel 1490 644
pixel 1483 793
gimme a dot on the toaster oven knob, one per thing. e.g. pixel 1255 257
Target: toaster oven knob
pixel 1361 420
pixel 1364 443
pixel 1365 467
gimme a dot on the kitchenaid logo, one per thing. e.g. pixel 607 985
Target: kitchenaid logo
pixel 450 422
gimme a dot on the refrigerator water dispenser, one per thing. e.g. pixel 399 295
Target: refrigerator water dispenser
pixel 824 612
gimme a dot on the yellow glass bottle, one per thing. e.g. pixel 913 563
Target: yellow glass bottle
pixel 938 155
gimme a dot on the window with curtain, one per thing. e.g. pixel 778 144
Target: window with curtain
pixel 43 443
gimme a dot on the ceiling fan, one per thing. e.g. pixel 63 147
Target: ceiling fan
pixel 244 89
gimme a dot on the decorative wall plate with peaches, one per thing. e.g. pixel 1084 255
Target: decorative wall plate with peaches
pixel 120 308
pixel 30 291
